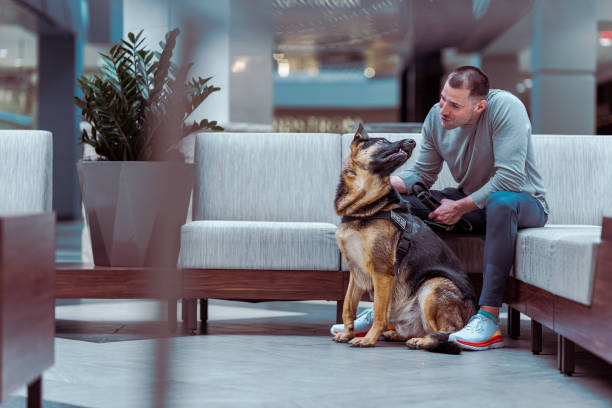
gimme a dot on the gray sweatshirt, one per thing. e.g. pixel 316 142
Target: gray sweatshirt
pixel 495 153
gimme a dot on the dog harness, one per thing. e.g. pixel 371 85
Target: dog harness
pixel 400 221
pixel 403 246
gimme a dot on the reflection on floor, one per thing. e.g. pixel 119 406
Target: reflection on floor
pixel 280 354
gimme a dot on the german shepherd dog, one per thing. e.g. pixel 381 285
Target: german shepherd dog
pixel 431 296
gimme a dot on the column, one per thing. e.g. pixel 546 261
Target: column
pixel 60 57
pixel 230 40
pixel 563 63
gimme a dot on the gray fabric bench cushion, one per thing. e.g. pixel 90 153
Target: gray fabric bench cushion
pixel 559 259
pixel 576 171
pixel 288 177
pixel 259 245
pixel 26 169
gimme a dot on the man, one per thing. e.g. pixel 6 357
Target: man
pixel 484 136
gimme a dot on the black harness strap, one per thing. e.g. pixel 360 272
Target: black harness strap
pixel 404 243
pixel 403 246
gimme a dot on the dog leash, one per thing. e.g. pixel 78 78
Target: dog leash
pixel 424 196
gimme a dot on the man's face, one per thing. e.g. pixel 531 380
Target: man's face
pixel 457 108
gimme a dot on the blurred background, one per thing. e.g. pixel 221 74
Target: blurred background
pixel 313 65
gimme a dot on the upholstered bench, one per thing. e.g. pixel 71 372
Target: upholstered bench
pixel 264 225
pixel 263 219
pixel 27 250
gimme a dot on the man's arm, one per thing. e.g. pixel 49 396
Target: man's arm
pixel 428 164
pixel 398 184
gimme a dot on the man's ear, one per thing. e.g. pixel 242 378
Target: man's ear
pixel 361 134
pixel 481 105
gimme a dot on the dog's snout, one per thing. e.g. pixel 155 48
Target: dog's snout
pixel 408 143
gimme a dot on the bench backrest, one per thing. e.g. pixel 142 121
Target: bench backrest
pixel 577 174
pixel 26 169
pixel 293 177
pixel 286 177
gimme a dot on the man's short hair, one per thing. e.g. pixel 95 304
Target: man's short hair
pixel 471 78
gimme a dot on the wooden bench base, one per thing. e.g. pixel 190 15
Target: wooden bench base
pixel 87 281
pixel 27 329
pixel 249 284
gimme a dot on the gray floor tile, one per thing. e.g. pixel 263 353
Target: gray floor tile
pixel 280 354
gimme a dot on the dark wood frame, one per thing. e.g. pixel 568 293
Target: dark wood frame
pixel 252 284
pixel 27 314
pixel 86 281
pixel 588 326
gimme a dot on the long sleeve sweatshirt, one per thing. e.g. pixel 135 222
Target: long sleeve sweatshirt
pixel 495 153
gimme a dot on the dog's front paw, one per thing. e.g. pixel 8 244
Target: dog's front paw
pixel 343 337
pixel 363 342
pixel 392 335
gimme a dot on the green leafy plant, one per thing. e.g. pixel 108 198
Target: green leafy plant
pixel 139 104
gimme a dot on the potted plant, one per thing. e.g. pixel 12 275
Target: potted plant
pixel 139 187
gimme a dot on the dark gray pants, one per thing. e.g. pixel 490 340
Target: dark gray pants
pixel 504 214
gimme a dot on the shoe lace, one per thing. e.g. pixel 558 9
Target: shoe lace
pixel 475 325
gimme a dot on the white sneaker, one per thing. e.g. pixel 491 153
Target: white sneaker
pixel 480 333
pixel 363 322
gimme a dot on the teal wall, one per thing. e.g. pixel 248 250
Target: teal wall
pixel 346 89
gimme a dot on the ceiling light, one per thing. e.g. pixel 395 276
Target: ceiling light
pixel 3 52
pixel 283 68
pixel 369 72
pixel 240 64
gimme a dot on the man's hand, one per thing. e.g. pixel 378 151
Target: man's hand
pixel 398 184
pixel 450 211
pixel 447 213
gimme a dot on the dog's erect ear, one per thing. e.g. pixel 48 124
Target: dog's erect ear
pixel 361 134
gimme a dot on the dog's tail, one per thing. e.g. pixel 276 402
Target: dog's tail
pixel 437 342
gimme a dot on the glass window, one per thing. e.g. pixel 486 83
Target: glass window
pixel 18 67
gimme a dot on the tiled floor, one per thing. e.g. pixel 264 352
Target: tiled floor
pixel 279 354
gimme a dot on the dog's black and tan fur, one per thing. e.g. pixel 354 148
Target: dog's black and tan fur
pixel 432 296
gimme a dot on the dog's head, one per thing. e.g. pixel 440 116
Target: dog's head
pixel 364 180
pixel 377 155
